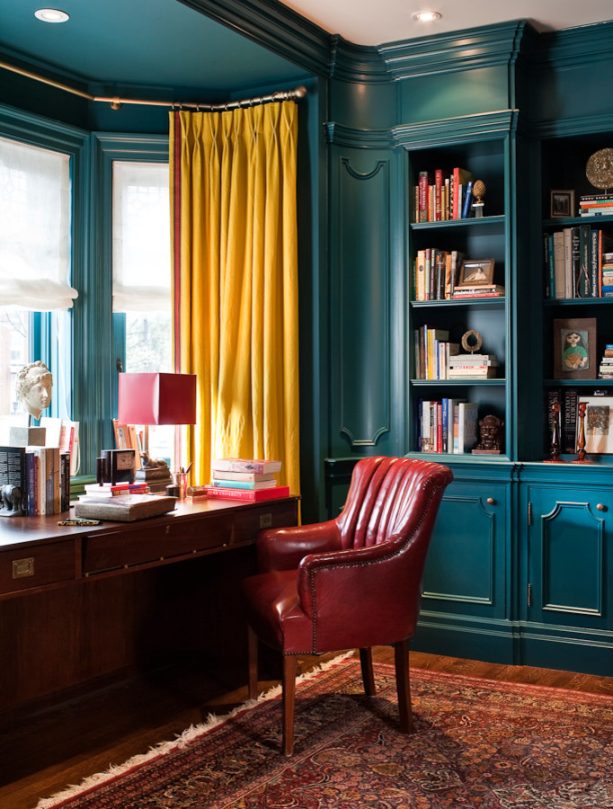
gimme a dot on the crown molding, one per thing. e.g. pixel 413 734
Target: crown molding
pixel 460 50
pixel 579 46
pixel 356 63
pixel 274 26
pixel 458 128
pixel 341 135
pixel 578 125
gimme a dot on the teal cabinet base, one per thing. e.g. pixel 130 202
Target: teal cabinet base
pixel 459 636
pixel 566 648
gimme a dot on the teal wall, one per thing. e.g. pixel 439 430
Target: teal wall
pixel 362 104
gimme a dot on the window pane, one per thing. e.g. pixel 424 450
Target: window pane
pixel 14 336
pixel 141 275
pixel 34 227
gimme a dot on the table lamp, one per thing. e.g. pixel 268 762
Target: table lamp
pixel 155 398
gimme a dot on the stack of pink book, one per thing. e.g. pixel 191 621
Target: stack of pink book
pixel 248 480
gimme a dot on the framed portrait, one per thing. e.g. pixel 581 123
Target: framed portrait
pixel 476 272
pixel 598 424
pixel 574 348
pixel 562 203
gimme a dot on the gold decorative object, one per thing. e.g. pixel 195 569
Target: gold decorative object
pixel 471 341
pixel 599 169
pixel 478 192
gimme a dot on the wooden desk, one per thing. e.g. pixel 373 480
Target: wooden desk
pixel 69 613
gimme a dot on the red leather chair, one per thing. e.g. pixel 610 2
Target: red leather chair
pixel 350 582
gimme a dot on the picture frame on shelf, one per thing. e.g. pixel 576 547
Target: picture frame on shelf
pixel 574 348
pixel 561 203
pixel 476 272
pixel 598 424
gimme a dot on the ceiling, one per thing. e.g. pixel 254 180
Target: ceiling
pixel 373 22
pixel 160 44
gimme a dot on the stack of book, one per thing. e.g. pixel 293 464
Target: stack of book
pixel 480 291
pixel 94 491
pixel 596 204
pixel 432 352
pixel 440 198
pixel 606 289
pixel 449 426
pixel 435 272
pixel 605 371
pixel 578 262
pixel 250 480
pixel 472 366
pixel 41 477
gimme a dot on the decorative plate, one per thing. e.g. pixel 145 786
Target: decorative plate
pixel 599 169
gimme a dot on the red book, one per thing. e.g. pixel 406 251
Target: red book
pixel 247 495
pixel 438 195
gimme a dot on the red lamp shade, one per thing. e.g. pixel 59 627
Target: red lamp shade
pixel 157 399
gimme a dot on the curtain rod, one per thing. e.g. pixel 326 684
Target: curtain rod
pixel 117 102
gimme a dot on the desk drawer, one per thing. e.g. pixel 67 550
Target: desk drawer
pixel 153 543
pixel 27 568
pixel 248 523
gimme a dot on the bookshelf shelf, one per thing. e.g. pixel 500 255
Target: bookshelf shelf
pixel 578 302
pixel 570 221
pixel 461 458
pixel 454 383
pixel 578 383
pixel 460 224
pixel 498 303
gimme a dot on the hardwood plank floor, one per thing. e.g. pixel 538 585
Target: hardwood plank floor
pixel 44 749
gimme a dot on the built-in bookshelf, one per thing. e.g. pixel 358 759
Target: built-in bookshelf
pixel 578 306
pixel 446 238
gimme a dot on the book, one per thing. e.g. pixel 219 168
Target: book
pixel 247 495
pixel 460 178
pixel 113 490
pixel 243 484
pixel 262 467
pixel 467 200
pixel 467 414
pixel 13 473
pixel 125 507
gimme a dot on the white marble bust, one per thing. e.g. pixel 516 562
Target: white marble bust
pixel 34 384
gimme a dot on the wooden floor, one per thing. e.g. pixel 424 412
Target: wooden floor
pixel 44 750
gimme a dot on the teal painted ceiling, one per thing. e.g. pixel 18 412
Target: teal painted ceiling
pixel 151 44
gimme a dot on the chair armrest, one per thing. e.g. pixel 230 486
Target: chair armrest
pixel 284 548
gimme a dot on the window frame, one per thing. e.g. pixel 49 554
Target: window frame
pixel 102 326
pixel 33 130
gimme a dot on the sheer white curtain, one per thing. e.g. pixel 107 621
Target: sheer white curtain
pixel 141 237
pixel 34 228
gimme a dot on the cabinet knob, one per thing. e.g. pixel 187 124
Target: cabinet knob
pixel 490 501
pixel 601 507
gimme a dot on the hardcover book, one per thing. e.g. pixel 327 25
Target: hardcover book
pixel 125 507
pixel 247 495
pixel 262 467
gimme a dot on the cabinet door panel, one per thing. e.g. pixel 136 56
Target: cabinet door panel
pixel 465 568
pixel 568 556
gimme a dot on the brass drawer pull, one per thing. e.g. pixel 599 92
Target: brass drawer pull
pixel 601 507
pixel 490 501
pixel 23 568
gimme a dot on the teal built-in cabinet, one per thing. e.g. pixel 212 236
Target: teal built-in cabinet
pixel 520 568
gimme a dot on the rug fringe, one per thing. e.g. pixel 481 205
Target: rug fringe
pixel 187 736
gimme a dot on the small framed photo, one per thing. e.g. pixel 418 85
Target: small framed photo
pixel 574 348
pixel 562 203
pixel 476 273
pixel 598 424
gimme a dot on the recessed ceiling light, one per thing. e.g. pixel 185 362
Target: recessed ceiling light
pixel 51 15
pixel 426 16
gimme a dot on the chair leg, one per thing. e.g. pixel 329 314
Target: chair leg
pixel 368 676
pixel 290 664
pixel 403 685
pixel 252 642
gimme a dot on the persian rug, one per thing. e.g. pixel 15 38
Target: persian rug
pixel 477 744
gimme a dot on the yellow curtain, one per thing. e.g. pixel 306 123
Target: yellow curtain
pixel 235 275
